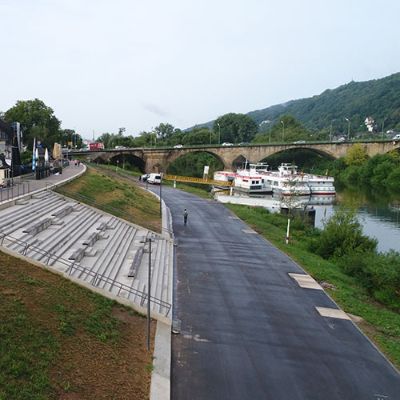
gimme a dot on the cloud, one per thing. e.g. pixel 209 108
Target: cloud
pixel 155 109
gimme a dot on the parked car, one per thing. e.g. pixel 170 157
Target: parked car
pixel 143 177
pixel 178 146
pixel 341 139
pixel 155 179
pixel 227 144
pixel 396 137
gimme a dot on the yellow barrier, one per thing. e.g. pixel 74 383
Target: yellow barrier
pixel 191 179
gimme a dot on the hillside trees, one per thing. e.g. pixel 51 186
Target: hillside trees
pixel 235 128
pixel 287 129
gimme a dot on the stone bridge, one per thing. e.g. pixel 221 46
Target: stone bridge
pixel 158 159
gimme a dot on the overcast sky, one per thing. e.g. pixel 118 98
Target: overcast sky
pixel 102 65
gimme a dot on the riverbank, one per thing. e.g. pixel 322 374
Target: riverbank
pixel 379 323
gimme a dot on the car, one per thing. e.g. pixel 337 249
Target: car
pixel 227 144
pixel 341 139
pixel 154 179
pixel 143 177
pixel 299 142
pixel 396 137
pixel 178 146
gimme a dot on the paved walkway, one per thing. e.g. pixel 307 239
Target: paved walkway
pixel 249 331
pixel 28 184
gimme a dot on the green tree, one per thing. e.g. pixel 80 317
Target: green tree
pixel 37 120
pixel 356 155
pixel 164 131
pixel 235 128
pixel 286 129
pixel 343 235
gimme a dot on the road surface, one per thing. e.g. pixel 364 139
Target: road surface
pixel 248 331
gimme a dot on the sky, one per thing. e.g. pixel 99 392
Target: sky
pixel 102 65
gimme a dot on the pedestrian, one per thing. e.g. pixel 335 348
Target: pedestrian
pixel 185 216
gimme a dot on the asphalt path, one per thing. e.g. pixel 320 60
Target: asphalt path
pixel 248 331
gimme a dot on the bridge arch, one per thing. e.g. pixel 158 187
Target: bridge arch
pixel 181 164
pixel 126 158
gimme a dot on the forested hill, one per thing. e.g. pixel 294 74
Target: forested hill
pixel 378 98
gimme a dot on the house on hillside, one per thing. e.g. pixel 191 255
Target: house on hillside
pixel 370 124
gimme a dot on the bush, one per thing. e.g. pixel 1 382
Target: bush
pixel 343 235
pixel 379 273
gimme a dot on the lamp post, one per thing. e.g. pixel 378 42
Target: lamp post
pixel 267 122
pixel 348 128
pixel 148 240
pixel 383 125
pixel 161 195
pixel 283 131
pixel 330 131
pixel 219 135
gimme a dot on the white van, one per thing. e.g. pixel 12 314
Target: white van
pixel 155 179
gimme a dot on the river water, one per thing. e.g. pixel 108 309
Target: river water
pixel 380 217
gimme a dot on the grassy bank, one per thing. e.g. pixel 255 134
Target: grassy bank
pixel 108 190
pixel 61 341
pixel 380 323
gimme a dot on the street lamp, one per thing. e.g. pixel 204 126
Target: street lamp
pixel 330 131
pixel 348 128
pixel 161 195
pixel 283 131
pixel 267 122
pixel 383 125
pixel 148 240
pixel 219 136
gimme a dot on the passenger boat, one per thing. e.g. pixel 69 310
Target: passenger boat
pixel 251 181
pixel 320 184
pixel 287 181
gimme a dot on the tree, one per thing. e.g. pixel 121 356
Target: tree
pixel 164 131
pixel 235 128
pixel 37 120
pixel 356 155
pixel 286 129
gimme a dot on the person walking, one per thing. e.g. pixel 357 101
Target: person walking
pixel 185 216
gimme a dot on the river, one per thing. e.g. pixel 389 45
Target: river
pixel 380 217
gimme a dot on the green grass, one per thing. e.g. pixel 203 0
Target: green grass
pixel 106 189
pixel 382 324
pixel 196 189
pixel 54 332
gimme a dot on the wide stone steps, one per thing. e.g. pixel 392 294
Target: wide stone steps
pixel 92 246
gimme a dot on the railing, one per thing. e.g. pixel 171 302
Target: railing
pixel 96 277
pixel 191 179
pixel 16 190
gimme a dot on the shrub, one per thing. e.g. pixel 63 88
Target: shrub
pixel 342 234
pixel 379 273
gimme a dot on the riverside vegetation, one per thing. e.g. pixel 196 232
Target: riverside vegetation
pixel 365 283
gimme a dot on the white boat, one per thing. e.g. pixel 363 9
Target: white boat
pixel 251 181
pixel 320 184
pixel 224 176
pixel 287 181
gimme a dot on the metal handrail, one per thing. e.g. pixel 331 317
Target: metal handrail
pixel 96 277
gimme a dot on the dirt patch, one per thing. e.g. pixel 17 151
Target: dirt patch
pixel 96 348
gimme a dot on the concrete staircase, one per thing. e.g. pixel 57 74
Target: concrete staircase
pixel 96 248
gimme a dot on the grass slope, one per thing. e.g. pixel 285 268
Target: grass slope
pixel 61 341
pixel 381 324
pixel 117 195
